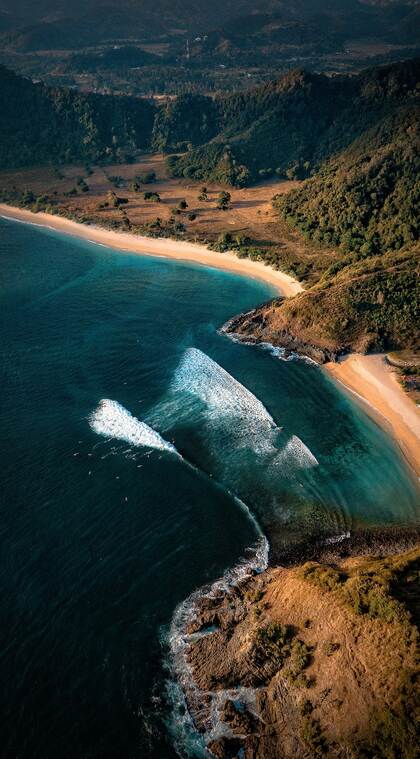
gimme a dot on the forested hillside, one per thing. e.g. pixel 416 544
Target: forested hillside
pixel 40 124
pixel 365 204
pixel 367 199
pixel 288 127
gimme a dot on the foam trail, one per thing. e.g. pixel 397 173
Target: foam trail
pixel 200 375
pixel 299 452
pixel 114 421
pixel 230 405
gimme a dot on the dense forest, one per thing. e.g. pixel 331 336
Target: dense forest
pixel 364 205
pixel 365 200
pixel 41 124
pixel 288 127
pixel 353 139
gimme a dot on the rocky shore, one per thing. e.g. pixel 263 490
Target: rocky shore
pixel 255 327
pixel 311 659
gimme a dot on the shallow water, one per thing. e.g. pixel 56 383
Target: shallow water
pixel 114 512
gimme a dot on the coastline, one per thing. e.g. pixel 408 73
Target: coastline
pixel 369 378
pixel 373 382
pixel 159 246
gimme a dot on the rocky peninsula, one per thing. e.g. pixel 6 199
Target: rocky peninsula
pixel 312 659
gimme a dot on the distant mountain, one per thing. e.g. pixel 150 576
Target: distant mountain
pixel 54 25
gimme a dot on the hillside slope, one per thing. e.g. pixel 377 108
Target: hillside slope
pixel 41 124
pixel 321 659
pixel 363 204
pixel 288 127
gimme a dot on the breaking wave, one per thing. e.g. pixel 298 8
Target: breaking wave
pixel 223 395
pixel 112 420
pixel 236 412
pixel 298 452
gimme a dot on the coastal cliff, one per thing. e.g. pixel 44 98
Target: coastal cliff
pixel 266 325
pixel 312 660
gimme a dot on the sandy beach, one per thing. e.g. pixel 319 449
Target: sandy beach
pixel 178 249
pixel 370 378
pixel 373 381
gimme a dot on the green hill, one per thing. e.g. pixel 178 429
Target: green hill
pixel 364 204
pixel 365 200
pixel 41 124
pixel 288 127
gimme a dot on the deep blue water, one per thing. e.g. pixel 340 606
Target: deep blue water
pixel 102 538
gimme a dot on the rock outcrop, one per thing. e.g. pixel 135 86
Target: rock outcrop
pixel 318 659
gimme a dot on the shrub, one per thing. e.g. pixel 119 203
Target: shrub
pixel 311 734
pixel 146 177
pixel 329 648
pixel 324 577
pixel 153 196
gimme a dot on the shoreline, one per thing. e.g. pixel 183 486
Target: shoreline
pixel 164 247
pixel 372 380
pixel 368 378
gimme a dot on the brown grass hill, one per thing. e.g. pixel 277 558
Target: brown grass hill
pixel 329 652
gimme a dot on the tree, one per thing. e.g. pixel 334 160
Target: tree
pixel 223 201
pixel 135 186
pixel 183 205
pixel 152 196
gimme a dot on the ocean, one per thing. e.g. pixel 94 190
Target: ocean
pixel 144 454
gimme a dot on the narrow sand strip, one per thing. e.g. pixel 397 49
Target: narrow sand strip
pixel 369 377
pixel 372 379
pixel 152 246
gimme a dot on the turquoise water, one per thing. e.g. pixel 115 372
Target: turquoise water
pixel 113 512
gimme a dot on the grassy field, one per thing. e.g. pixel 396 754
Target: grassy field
pixel 81 192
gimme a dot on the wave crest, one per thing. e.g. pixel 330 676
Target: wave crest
pixel 112 420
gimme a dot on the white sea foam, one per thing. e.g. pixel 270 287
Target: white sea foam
pixel 338 538
pixel 241 416
pixel 295 450
pixel 112 420
pixel 200 375
pixel 285 355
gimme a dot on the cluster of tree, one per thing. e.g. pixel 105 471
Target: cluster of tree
pixel 366 199
pixel 287 128
pixel 362 211
pixel 40 124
